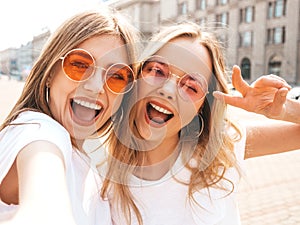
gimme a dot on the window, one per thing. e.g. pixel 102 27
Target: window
pixel 246 68
pixel 277 9
pixel 276 35
pixel 201 4
pixel 247 14
pixel 246 39
pixel 182 8
pixel 222 19
pixel 222 2
pixel 275 65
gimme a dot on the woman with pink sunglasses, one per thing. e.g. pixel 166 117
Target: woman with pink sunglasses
pixel 72 93
pixel 177 157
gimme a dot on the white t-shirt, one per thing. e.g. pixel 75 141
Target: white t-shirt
pixel 83 181
pixel 165 201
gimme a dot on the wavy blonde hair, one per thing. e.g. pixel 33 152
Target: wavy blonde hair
pixel 214 150
pixel 69 35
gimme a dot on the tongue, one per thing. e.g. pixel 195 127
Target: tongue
pixel 83 113
pixel 156 116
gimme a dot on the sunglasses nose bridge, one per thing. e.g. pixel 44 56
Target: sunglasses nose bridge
pixel 96 81
pixel 98 70
pixel 174 75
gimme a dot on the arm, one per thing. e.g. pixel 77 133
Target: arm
pixel 43 194
pixel 271 138
pixel 267 96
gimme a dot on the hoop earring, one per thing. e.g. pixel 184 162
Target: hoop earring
pixel 47 94
pixel 202 125
pixel 194 129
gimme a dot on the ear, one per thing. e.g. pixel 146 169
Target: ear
pixel 48 82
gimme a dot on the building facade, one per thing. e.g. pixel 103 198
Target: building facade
pixel 261 36
pixel 17 62
pixel 8 62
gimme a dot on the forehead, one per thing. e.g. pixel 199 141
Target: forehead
pixel 188 55
pixel 106 49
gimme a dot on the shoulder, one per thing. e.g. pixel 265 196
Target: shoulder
pixel 39 125
pixel 30 127
pixel 40 120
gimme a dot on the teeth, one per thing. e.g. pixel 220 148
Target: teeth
pixel 87 104
pixel 160 109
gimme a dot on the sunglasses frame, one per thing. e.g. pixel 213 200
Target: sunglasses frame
pixel 170 74
pixel 62 58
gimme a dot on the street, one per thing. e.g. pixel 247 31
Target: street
pixel 270 190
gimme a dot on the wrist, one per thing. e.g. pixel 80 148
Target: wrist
pixel 291 111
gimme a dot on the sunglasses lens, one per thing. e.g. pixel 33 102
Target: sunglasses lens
pixel 155 70
pixel 78 65
pixel 192 86
pixel 119 78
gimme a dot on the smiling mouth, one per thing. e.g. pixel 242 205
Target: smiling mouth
pixel 85 111
pixel 158 114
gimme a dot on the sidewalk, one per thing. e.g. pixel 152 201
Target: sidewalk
pixel 269 195
pixel 272 194
pixel 270 191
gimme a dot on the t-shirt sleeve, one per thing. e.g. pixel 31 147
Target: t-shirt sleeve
pixel 29 128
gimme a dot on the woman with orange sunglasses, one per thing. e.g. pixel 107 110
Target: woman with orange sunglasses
pixel 73 91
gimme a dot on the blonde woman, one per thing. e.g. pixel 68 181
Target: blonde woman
pixel 74 89
pixel 177 159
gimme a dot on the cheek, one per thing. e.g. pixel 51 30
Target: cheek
pixel 114 102
pixel 60 90
pixel 187 111
pixel 144 89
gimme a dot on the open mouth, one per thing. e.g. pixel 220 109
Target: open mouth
pixel 84 111
pixel 158 114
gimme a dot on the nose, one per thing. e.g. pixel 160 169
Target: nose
pixel 96 82
pixel 168 89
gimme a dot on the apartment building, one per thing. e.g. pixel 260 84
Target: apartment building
pixel 261 36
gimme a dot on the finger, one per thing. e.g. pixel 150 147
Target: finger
pixel 280 97
pixel 229 99
pixel 276 77
pixel 270 81
pixel 238 82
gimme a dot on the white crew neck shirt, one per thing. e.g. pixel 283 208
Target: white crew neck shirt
pixel 83 180
pixel 165 201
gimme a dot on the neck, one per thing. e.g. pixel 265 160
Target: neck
pixel 159 160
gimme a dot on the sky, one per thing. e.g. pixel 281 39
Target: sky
pixel 21 20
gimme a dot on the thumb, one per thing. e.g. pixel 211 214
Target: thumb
pixel 238 81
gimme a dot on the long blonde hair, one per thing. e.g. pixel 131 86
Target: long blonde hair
pixel 69 35
pixel 213 151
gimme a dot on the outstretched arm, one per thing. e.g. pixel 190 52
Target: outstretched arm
pixel 266 96
pixel 43 192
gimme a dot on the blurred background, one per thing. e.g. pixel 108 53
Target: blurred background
pixel 261 36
